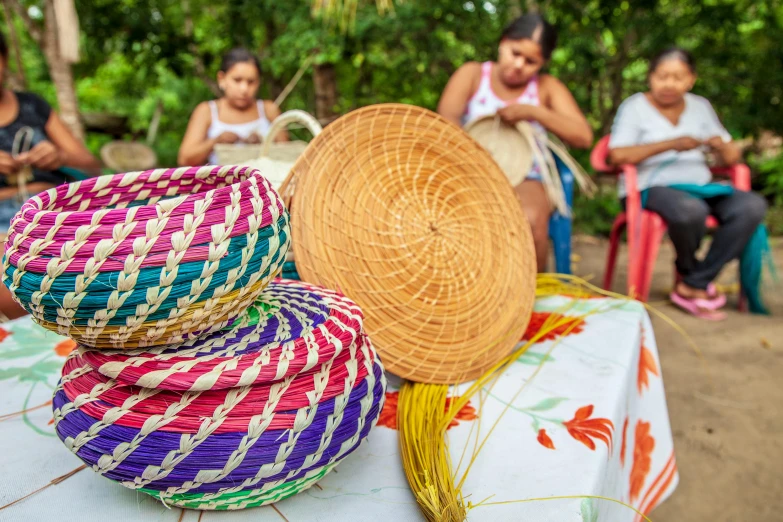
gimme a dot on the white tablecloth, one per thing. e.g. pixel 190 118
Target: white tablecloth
pixel 593 421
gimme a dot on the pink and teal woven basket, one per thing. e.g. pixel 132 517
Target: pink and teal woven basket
pixel 146 258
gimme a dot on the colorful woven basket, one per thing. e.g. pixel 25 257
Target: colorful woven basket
pixel 237 419
pixel 146 258
pixel 412 219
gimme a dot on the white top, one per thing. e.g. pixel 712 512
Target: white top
pixel 485 102
pixel 638 122
pixel 243 130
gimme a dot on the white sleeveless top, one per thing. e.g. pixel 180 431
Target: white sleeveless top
pixel 243 130
pixel 485 102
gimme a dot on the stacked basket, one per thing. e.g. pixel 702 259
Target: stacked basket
pixel 195 381
pixel 146 258
pixel 235 419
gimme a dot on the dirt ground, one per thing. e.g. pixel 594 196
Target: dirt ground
pixel 728 433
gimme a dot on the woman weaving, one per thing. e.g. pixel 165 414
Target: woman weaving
pixel 236 118
pixel 515 89
pixel 666 132
pixel 35 146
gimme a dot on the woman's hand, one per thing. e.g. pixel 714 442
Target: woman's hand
pixel 685 143
pixel 8 164
pixel 227 137
pixel 253 139
pixel 517 112
pixel 44 156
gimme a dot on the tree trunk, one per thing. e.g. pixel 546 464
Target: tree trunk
pixel 17 79
pixel 60 72
pixel 325 82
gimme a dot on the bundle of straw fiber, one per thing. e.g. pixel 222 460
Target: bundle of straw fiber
pixel 517 148
pixel 146 258
pixel 235 419
pixel 411 218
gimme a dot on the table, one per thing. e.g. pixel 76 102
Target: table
pixel 590 420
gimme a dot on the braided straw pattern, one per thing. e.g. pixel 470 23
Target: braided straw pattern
pixel 236 447
pixel 295 328
pixel 146 258
pixel 413 220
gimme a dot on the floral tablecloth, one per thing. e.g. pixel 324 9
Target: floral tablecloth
pixel 582 413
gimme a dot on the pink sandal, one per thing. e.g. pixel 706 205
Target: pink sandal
pixel 697 308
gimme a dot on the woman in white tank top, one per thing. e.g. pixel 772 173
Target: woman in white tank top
pixel 237 117
pixel 513 88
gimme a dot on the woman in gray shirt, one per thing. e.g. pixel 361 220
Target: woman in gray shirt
pixel 665 132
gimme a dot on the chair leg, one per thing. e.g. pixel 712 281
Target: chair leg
pixel 560 234
pixel 653 229
pixel 614 244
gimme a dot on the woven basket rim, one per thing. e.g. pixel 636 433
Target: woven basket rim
pixel 374 154
pixel 37 205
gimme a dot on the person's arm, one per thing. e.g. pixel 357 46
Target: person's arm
pixel 719 139
pixel 637 153
pixel 458 91
pixel 62 149
pixel 272 112
pixel 727 151
pixel 559 114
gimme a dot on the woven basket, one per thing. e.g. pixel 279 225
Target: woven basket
pixel 128 156
pixel 516 148
pixel 270 419
pixel 412 219
pixel 146 258
pixel 276 159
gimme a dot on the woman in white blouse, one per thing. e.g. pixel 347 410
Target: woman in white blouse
pixel 665 132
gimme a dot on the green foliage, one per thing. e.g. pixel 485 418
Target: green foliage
pixel 595 216
pixel 137 54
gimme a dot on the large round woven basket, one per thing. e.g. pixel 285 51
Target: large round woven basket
pixel 412 219
pixel 146 258
pixel 236 419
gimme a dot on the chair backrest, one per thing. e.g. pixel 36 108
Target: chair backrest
pixel 600 155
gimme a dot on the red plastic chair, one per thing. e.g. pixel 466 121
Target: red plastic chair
pixel 645 228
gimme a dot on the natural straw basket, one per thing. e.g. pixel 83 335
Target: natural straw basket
pixel 517 148
pixel 146 258
pixel 303 401
pixel 412 219
pixel 276 159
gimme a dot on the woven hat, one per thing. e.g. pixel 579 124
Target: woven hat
pixel 146 258
pixel 413 220
pixel 511 146
pixel 303 402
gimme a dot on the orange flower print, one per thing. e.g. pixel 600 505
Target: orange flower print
pixel 646 366
pixel 642 449
pixel 64 348
pixel 466 413
pixel 584 429
pixel 544 439
pixel 388 416
pixel 3 334
pixel 622 446
pixel 538 320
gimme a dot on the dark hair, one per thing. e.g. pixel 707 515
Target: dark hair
pixel 532 26
pixel 238 55
pixel 672 53
pixel 3 47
